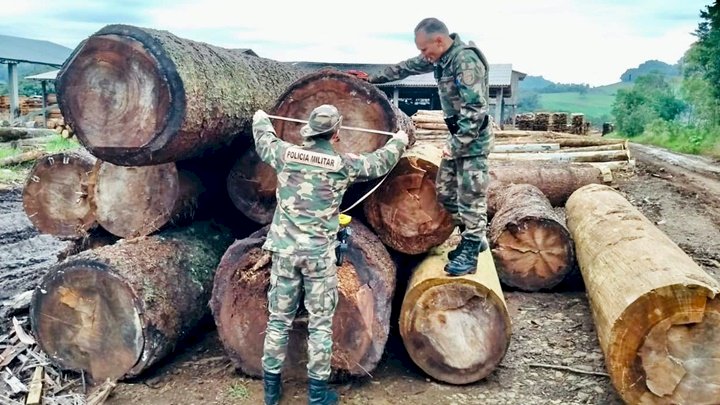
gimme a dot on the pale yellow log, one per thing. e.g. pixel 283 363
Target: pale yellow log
pixel 456 329
pixel 560 156
pixel 656 311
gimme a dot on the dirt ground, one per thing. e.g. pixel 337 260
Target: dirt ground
pixel 681 195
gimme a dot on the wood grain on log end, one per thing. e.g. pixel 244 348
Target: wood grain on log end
pixel 456 329
pixel 58 195
pixel 139 200
pixel 405 211
pixel 251 186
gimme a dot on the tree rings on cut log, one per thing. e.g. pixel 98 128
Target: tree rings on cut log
pixel 456 329
pixel 115 310
pixel 361 323
pixel 251 185
pixel 58 194
pixel 139 200
pixel 404 211
pixel 657 313
pixel 530 243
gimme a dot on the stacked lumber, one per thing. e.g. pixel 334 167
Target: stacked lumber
pixel 578 124
pixel 4 103
pixel 542 121
pixel 525 121
pixel 558 122
pixel 431 120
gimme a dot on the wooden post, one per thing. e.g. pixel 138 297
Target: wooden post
pixel 13 88
pixel 499 106
pixel 657 313
pixel 396 95
pixel 43 83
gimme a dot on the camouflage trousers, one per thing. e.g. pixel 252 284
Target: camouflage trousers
pixel 288 277
pixel 461 186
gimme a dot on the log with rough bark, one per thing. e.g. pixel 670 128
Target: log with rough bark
pixel 566 141
pixel 456 329
pixel 557 181
pixel 252 186
pixel 11 134
pixel 404 211
pixel 58 196
pixel 116 310
pixel 366 282
pixel 656 311
pixel 23 157
pixel 532 247
pixel 137 96
pixel 139 200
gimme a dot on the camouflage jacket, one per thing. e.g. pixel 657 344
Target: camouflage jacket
pixel 462 77
pixel 312 180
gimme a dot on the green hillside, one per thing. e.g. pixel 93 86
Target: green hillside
pixel 596 103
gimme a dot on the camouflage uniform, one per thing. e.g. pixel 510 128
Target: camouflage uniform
pixel 312 179
pixel 462 179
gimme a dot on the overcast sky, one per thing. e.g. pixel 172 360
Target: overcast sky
pixel 568 41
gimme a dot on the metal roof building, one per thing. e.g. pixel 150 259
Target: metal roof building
pixel 14 50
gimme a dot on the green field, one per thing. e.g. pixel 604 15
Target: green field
pixel 596 103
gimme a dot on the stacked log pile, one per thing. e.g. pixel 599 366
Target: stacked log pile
pixel 525 121
pixel 578 126
pixel 558 122
pixel 542 121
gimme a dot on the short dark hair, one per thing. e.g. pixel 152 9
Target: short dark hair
pixel 432 26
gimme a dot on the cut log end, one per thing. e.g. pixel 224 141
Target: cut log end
pixel 251 185
pixel 57 197
pixel 113 85
pixel 360 104
pixel 534 254
pixel 680 357
pixel 136 201
pixel 85 319
pixel 457 332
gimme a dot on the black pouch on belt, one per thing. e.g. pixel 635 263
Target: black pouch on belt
pixel 452 124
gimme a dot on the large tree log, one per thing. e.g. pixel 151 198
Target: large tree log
pixel 557 181
pixel 656 311
pixel 456 329
pixel 115 310
pixel 366 282
pixel 564 141
pixel 532 247
pixel 11 134
pixel 361 104
pixel 139 200
pixel 58 196
pixel 404 211
pixel 560 156
pixel 137 96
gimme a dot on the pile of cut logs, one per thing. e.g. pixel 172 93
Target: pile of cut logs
pixel 147 199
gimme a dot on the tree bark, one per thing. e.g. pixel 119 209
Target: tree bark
pixel 560 156
pixel 137 96
pixel 58 195
pixel 12 134
pixel 557 181
pixel 139 200
pixel 366 282
pixel 656 311
pixel 564 141
pixel 361 105
pixel 404 211
pixel 116 310
pixel 456 329
pixel 532 247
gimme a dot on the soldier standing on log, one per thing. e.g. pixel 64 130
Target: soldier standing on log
pixel 312 180
pixel 462 75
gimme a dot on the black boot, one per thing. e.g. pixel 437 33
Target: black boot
pixel 466 262
pixel 320 394
pixel 458 249
pixel 272 385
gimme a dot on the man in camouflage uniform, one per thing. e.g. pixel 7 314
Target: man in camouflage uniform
pixel 462 75
pixel 312 180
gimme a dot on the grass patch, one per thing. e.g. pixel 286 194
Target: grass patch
pixel 15 175
pixel 238 391
pixel 692 140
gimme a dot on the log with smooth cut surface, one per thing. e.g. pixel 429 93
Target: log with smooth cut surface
pixel 361 324
pixel 657 313
pixel 115 310
pixel 531 245
pixel 138 96
pixel 456 329
pixel 404 211
pixel 58 194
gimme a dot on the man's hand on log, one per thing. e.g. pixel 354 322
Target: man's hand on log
pixel 359 74
pixel 402 137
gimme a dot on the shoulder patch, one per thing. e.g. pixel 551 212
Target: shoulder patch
pixel 308 157
pixel 468 77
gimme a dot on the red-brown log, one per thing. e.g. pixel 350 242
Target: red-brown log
pixel 530 242
pixel 114 311
pixel 361 104
pixel 366 282
pixel 138 96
